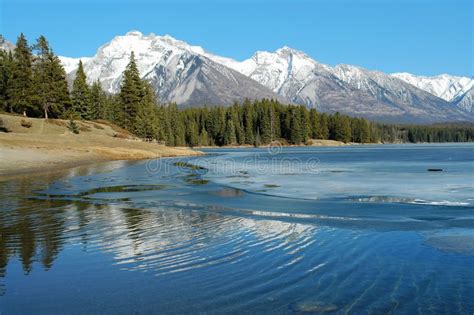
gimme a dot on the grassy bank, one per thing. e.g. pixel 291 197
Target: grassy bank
pixel 37 145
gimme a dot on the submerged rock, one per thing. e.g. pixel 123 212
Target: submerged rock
pixel 312 307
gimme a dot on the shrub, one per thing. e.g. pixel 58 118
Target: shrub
pixel 72 126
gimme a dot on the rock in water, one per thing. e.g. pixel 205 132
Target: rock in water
pixel 312 307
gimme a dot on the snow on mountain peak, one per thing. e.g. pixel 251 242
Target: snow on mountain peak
pixel 167 62
pixel 134 33
pixel 445 86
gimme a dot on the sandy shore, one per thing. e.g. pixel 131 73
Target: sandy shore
pixel 48 146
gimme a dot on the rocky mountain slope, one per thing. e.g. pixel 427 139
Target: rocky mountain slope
pixel 345 88
pixel 457 90
pixel 191 76
pixel 179 72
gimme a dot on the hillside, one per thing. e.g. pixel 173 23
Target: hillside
pixel 33 144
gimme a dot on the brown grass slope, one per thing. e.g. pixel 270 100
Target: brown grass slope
pixel 33 144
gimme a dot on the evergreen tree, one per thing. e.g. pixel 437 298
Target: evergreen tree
pixel 230 137
pixel 6 73
pixel 248 118
pixel 98 108
pixel 340 128
pixel 323 131
pixel 145 123
pixel 203 138
pixel 237 121
pixel 20 87
pixel 49 81
pixel 80 95
pixel 192 134
pixel 296 134
pixel 131 93
pixel 264 121
pixel 314 123
pixel 305 124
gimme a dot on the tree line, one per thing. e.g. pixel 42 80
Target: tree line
pixel 33 82
pixel 391 133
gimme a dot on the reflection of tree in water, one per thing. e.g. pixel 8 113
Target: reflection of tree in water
pixel 29 229
pixel 36 230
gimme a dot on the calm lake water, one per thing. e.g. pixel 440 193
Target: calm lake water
pixel 363 229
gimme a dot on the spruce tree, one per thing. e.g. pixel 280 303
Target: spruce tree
pixel 6 72
pixel 323 127
pixel 20 87
pixel 80 95
pixel 192 134
pixel 203 138
pixel 314 123
pixel 304 123
pixel 145 124
pixel 131 93
pixel 248 117
pixel 98 108
pixel 50 88
pixel 296 134
pixel 230 137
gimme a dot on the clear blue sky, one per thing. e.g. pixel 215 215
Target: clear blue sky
pixel 425 37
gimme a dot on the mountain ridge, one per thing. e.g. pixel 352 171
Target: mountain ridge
pixel 191 76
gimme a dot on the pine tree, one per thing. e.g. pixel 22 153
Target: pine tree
pixel 237 121
pixel 20 88
pixel 49 81
pixel 264 121
pixel 248 117
pixel 340 128
pixel 80 95
pixel 131 93
pixel 304 123
pixel 323 127
pixel 98 108
pixel 6 73
pixel 145 124
pixel 192 134
pixel 314 123
pixel 296 135
pixel 230 137
pixel 204 138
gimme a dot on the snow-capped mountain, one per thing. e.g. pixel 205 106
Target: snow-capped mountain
pixel 457 90
pixel 179 72
pixel 466 101
pixel 190 75
pixel 344 88
pixel 445 86
pixel 6 45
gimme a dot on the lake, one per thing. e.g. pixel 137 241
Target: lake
pixel 358 229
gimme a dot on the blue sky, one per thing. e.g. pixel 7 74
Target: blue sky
pixel 425 37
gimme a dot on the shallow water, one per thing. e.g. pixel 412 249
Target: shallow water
pixel 364 229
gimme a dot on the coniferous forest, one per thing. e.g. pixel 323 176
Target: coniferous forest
pixel 34 83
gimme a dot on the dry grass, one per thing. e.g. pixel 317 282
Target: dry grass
pixel 325 143
pixel 49 143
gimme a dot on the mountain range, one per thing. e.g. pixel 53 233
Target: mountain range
pixel 191 76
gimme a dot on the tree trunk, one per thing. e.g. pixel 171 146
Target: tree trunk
pixel 45 113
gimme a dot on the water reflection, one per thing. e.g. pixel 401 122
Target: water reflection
pixel 228 259
pixel 162 239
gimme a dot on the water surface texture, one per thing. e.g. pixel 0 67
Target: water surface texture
pixel 348 230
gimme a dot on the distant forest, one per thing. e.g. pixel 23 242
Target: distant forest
pixel 33 82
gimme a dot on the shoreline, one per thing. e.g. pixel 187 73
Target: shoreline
pixel 276 143
pixel 26 162
pixel 34 146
